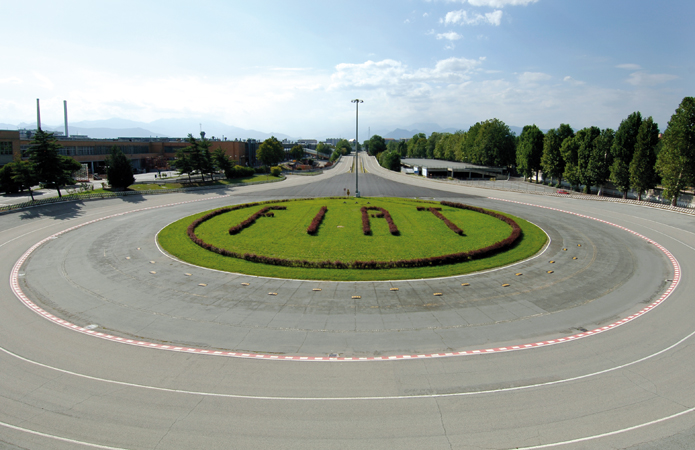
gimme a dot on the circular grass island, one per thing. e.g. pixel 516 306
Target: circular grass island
pixel 348 239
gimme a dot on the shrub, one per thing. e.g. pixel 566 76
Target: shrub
pixel 276 171
pixel 452 226
pixel 314 226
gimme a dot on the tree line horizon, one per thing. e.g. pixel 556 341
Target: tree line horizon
pixel 633 157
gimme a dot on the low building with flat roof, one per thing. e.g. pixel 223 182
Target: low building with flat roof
pixel 437 168
pixel 144 153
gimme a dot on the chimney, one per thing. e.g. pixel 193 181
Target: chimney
pixel 38 115
pixel 65 111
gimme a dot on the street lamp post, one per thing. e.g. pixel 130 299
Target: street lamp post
pixel 357 102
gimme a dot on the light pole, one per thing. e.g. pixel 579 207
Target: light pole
pixel 357 102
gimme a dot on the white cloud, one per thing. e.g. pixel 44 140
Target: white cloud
pixel 451 36
pixel 10 80
pixel 629 66
pixel 649 79
pixel 569 79
pixel 461 17
pixel 533 77
pixel 395 76
pixel 406 21
pixel 425 15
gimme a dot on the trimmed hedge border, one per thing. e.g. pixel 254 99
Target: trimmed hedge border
pixel 452 258
pixel 263 212
pixel 314 226
pixel 366 227
pixel 452 226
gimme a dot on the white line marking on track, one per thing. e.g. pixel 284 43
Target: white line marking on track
pixel 59 438
pixel 326 399
pixel 14 284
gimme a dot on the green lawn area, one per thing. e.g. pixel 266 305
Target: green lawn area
pixel 257 178
pixel 340 238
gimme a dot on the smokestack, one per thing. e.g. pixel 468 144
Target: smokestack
pixel 65 110
pixel 38 115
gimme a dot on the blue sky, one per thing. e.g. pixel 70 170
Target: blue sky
pixel 293 66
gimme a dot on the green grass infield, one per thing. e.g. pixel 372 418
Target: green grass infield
pixel 340 237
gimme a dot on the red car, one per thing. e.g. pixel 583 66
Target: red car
pixel 562 191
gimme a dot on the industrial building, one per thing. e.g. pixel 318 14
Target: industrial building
pixel 144 153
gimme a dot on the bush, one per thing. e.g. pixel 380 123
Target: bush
pixel 276 171
pixel 261 169
pixel 314 226
pixel 242 172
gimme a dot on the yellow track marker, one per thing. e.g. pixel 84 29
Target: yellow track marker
pixel 505 285
pixel 437 294
pixel 356 296
pixel 550 271
pixel 519 274
pixel 202 284
pixel 272 293
pixel 187 274
pixel 393 289
pixel 152 271
pixel 245 284
pixel 316 289
pixel 465 284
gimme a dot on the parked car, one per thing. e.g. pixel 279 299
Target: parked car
pixel 562 191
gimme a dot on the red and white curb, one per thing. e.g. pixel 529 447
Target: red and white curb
pixel 14 284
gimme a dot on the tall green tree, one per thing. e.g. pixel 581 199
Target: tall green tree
pixel 119 171
pixel 324 149
pixel 570 154
pixel 183 163
pixel 270 152
pixel 390 160
pixel 622 151
pixel 207 165
pixel 223 163
pixel 377 145
pixel 417 146
pixel 8 184
pixel 529 151
pixel 343 146
pixel 643 164
pixel 676 159
pixel 23 173
pixel 297 152
pixel 432 144
pixel 585 139
pixel 599 167
pixel 195 156
pixel 493 144
pixel 52 168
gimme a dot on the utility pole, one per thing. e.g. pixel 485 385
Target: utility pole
pixel 357 102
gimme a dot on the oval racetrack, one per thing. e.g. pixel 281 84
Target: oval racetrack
pixel 589 345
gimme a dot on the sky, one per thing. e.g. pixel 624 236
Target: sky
pixel 293 66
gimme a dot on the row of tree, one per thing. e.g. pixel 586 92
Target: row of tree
pixel 632 158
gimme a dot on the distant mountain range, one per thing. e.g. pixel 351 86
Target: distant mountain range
pixel 176 128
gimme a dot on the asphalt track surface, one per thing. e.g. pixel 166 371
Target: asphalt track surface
pixel 628 387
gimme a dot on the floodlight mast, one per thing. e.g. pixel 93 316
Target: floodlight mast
pixel 357 102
